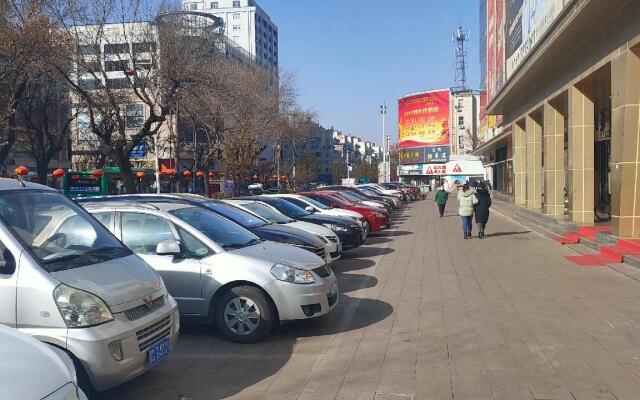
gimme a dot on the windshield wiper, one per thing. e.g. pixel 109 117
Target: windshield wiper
pixel 57 257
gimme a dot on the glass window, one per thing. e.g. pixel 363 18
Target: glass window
pixel 4 255
pixel 220 230
pixel 88 84
pixel 236 28
pixel 192 245
pixel 236 4
pixel 268 213
pixel 298 203
pixel 213 4
pixel 323 200
pixel 288 209
pixel 134 115
pixel 460 121
pixel 144 47
pixel 142 232
pixel 237 215
pixel 236 16
pixel 193 6
pixel 119 65
pixel 118 83
pixel 57 232
pixel 116 48
pixel 317 204
pixel 340 200
pixel 86 50
pixel 104 218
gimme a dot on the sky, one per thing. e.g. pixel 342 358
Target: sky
pixel 350 56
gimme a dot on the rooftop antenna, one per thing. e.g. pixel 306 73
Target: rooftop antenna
pixel 459 37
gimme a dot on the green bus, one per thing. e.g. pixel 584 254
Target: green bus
pixel 86 184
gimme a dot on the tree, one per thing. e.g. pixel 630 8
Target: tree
pixel 131 63
pixel 338 172
pixel 28 44
pixel 366 170
pixel 306 169
pixel 46 117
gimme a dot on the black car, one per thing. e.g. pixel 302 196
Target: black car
pixel 349 231
pixel 258 226
pixel 388 203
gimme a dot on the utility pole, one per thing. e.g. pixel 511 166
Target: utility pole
pixel 348 175
pixel 383 112
pixel 157 172
pixel 278 165
pixel 293 170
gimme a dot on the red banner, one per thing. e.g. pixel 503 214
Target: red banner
pixel 423 119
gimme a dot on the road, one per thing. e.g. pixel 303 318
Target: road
pixel 425 314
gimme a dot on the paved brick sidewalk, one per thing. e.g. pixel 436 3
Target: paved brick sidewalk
pixel 427 315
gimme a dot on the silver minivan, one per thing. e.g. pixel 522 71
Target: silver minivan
pixel 220 272
pixel 67 281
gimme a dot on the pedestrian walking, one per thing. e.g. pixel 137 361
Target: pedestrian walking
pixel 482 208
pixel 468 200
pixel 441 199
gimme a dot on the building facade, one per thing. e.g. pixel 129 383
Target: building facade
pixel 570 104
pixel 246 24
pixel 465 115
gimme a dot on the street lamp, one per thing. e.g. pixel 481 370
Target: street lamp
pixel 383 113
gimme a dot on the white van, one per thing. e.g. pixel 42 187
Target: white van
pixel 67 281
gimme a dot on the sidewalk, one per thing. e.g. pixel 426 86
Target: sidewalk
pixel 427 315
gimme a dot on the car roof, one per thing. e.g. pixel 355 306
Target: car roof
pixel 129 205
pixel 13 184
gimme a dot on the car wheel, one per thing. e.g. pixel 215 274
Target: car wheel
pixel 366 227
pixel 244 314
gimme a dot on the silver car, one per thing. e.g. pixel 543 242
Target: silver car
pixel 67 281
pixel 219 271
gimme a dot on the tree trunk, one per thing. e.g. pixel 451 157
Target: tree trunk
pixel 42 167
pixel 122 158
pixel 6 145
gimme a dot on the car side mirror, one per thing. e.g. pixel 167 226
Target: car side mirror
pixel 8 263
pixel 310 209
pixel 168 248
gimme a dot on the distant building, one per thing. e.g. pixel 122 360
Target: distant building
pixel 246 24
pixel 465 121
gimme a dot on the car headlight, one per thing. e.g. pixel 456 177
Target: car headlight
pixel 336 228
pixel 80 309
pixel 322 239
pixel 286 273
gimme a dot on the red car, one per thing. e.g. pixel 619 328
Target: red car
pixel 377 219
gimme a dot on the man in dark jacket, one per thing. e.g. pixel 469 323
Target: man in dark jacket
pixel 482 208
pixel 441 198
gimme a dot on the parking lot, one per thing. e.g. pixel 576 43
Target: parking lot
pixel 426 315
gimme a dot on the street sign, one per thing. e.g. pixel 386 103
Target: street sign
pixel 139 151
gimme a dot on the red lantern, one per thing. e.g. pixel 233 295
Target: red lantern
pixel 284 177
pixel 199 174
pixel 58 173
pixel 212 175
pixel 171 173
pixel 97 173
pixel 22 170
pixel 186 173
pixel 274 177
pixel 140 175
pixel 255 177
pixel 246 179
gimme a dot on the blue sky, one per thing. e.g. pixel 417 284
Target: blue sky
pixel 349 56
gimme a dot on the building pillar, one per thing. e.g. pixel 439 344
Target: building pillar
pixel 553 160
pixel 625 143
pixel 519 165
pixel 534 162
pixel 581 144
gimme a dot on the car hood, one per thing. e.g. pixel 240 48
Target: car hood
pixel 30 368
pixel 289 235
pixel 373 204
pixel 116 281
pixel 313 228
pixel 282 254
pixel 327 219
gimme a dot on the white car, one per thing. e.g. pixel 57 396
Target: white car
pixel 315 206
pixel 333 245
pixel 382 190
pixel 34 370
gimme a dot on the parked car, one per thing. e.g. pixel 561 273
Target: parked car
pixel 388 203
pixel 377 218
pixel 259 226
pixel 220 272
pixel 350 233
pixel 329 237
pixel 34 370
pixel 374 191
pixel 382 190
pixel 70 283
pixel 314 206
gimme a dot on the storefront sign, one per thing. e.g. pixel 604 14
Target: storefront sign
pixel 424 155
pixel 139 151
pixel 424 119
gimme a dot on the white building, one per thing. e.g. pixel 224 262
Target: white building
pixel 246 24
pixel 465 121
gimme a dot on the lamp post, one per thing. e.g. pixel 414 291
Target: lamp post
pixel 383 113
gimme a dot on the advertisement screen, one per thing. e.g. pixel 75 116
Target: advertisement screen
pixel 423 119
pixel 528 21
pixel 495 47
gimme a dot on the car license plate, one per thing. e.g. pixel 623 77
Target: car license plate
pixel 334 289
pixel 158 351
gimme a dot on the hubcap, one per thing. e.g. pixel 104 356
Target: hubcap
pixel 242 316
pixel 367 228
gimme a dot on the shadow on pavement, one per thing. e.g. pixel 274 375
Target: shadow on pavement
pixel 364 252
pixel 392 233
pixel 377 240
pixel 352 282
pixel 348 264
pixel 496 234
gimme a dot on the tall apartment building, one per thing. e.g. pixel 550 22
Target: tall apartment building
pixel 465 118
pixel 246 24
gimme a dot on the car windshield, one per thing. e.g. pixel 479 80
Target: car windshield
pixel 339 200
pixel 225 233
pixel 316 204
pixel 287 208
pixel 58 233
pixel 268 213
pixel 350 196
pixel 237 215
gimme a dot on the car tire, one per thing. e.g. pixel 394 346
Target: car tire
pixel 244 314
pixel 366 227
